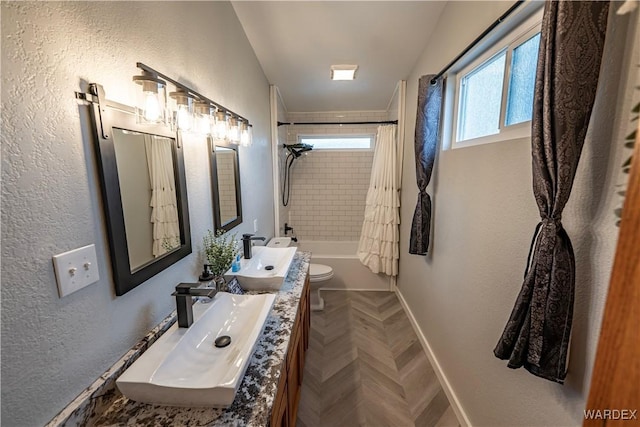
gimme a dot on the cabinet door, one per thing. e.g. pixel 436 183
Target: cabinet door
pixel 293 380
pixel 279 413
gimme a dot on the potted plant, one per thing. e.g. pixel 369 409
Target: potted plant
pixel 220 250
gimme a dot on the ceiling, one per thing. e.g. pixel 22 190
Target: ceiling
pixel 296 42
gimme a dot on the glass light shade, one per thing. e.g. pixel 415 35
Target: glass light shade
pixel 203 119
pixel 151 99
pixel 245 135
pixel 234 131
pixel 220 126
pixel 183 110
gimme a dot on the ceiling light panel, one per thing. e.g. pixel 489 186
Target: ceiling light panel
pixel 343 72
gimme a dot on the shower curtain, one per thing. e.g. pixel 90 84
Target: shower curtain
pixel 164 209
pixel 379 239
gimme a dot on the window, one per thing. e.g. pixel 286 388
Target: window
pixel 338 142
pixel 493 95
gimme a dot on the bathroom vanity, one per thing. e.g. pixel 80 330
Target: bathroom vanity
pixel 268 394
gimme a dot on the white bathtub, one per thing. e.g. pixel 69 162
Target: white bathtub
pixel 348 271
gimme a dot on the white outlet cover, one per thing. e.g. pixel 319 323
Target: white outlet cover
pixel 76 269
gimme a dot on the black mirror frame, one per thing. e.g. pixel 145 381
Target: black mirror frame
pixel 217 220
pixel 123 117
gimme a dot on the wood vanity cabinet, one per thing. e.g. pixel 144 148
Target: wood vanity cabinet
pixel 285 407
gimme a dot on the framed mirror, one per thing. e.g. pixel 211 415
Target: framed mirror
pixel 144 193
pixel 225 177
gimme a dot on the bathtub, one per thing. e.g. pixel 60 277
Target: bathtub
pixel 348 271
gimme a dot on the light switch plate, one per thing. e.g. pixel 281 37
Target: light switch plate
pixel 76 269
pixel 255 225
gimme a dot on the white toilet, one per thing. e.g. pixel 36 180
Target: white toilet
pixel 318 274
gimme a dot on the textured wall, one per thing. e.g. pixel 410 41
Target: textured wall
pixel 52 348
pixel 484 219
pixel 329 188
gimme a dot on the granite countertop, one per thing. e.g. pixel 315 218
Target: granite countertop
pixel 101 404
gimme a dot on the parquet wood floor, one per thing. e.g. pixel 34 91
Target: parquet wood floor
pixel 366 367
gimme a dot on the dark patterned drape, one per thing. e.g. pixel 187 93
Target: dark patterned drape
pixel 426 144
pixel 537 333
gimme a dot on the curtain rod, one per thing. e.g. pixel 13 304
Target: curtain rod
pixel 383 122
pixel 497 22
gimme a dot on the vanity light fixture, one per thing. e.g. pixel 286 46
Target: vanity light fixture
pixel 221 125
pixel 343 72
pixel 151 99
pixel 183 110
pixel 246 137
pixel 204 119
pixel 210 118
pixel 234 131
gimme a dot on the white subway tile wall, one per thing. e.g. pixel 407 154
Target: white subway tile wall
pixel 329 188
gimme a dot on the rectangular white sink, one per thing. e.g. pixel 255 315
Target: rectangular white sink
pixel 266 269
pixel 185 368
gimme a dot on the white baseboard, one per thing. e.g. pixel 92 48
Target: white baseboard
pixel 446 386
pixel 329 288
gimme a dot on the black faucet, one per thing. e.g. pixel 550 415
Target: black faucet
pixel 287 229
pixel 246 244
pixel 184 302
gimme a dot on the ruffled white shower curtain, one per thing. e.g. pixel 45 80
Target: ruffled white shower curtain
pixel 379 239
pixel 164 205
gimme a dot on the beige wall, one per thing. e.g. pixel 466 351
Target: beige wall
pixel 52 348
pixel 281 135
pixel 484 217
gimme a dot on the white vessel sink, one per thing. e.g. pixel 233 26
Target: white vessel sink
pixel 256 275
pixel 185 368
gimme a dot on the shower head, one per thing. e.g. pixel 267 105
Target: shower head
pixel 296 150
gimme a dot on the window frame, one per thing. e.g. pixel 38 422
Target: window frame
pixel 371 137
pixel 512 38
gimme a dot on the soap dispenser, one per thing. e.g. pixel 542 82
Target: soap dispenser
pixel 235 266
pixel 206 275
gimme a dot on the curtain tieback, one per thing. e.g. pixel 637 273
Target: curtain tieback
pixel 548 229
pixel 556 223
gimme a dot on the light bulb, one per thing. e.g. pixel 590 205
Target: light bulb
pixel 183 109
pixel 150 96
pixel 234 131
pixel 203 124
pixel 220 127
pixel 151 107
pixel 203 117
pixel 184 117
pixel 245 135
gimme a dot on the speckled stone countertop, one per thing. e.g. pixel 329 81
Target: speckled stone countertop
pixel 101 404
